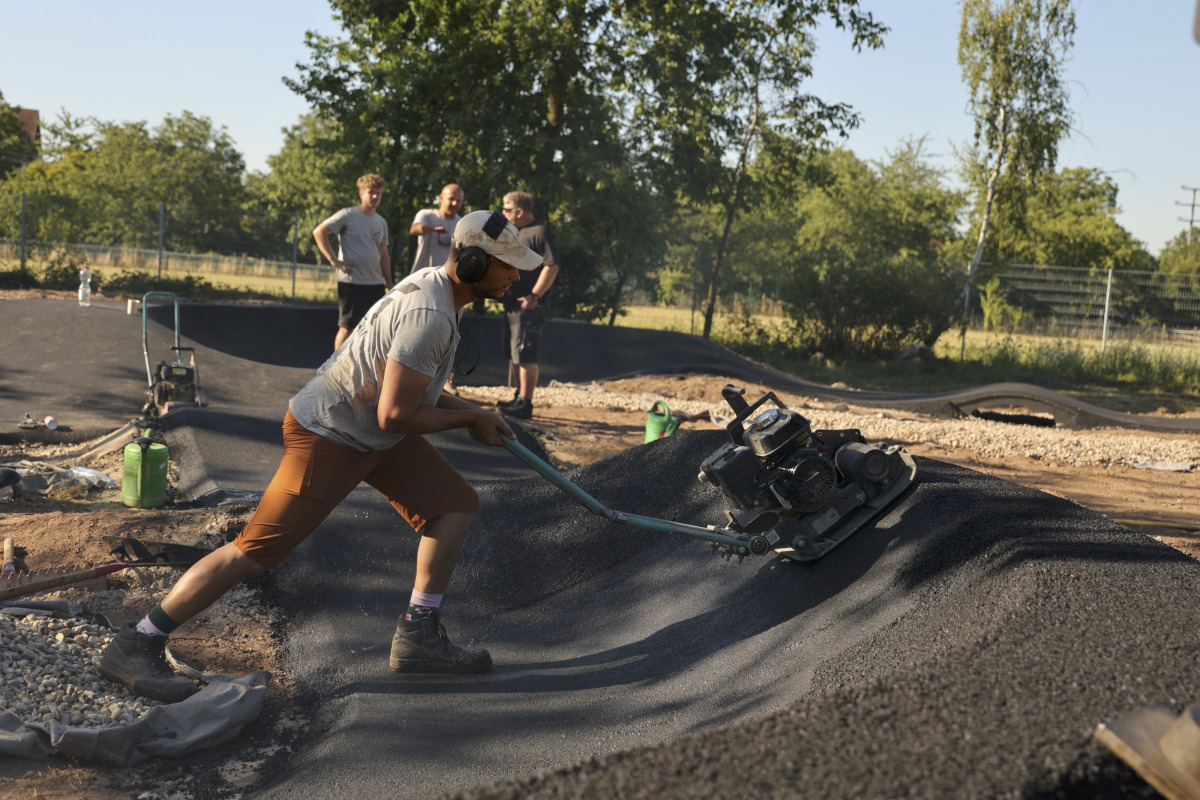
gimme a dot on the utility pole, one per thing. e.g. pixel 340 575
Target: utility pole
pixel 1190 220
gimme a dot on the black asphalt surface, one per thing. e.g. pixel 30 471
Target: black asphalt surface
pixel 965 646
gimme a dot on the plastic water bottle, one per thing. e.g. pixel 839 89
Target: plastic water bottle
pixel 85 286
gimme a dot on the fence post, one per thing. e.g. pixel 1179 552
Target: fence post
pixel 22 237
pixel 1107 303
pixel 295 248
pixel 161 209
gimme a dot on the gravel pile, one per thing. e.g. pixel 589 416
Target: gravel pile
pixel 1104 447
pixel 49 670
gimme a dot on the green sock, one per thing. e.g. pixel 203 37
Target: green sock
pixel 418 612
pixel 159 619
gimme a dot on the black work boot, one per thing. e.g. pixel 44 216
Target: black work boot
pixel 137 662
pixel 421 645
pixel 521 409
pixel 516 398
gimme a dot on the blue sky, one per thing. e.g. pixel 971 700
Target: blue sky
pixel 1132 81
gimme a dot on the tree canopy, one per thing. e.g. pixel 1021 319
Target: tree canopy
pixel 610 114
pixel 102 182
pixel 1067 219
pixel 1012 54
pixel 863 267
pixel 1181 255
pixel 16 148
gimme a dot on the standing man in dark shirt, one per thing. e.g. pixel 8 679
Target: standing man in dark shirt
pixel 527 304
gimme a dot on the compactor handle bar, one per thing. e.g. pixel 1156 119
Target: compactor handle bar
pixel 739 546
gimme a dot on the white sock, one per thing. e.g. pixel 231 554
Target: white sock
pixel 427 600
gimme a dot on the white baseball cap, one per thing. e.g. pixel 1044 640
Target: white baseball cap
pixel 496 236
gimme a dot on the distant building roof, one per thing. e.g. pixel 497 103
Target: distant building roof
pixel 29 118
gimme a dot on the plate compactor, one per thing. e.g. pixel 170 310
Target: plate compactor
pixel 791 490
pixel 169 381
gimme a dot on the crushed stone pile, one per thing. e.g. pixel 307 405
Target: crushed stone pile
pixel 49 670
pixel 1018 622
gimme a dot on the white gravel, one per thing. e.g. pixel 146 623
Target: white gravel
pixel 49 673
pixel 1103 447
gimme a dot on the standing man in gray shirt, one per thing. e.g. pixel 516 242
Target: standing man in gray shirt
pixel 364 267
pixel 433 228
pixel 360 419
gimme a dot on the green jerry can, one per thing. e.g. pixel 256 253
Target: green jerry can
pixel 144 481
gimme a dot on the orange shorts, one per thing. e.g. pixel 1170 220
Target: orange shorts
pixel 316 474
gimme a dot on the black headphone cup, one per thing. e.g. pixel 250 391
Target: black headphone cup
pixel 472 264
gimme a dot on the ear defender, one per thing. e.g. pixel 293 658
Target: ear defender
pixel 472 262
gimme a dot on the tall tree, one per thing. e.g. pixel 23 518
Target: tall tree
pixel 16 147
pixel 862 261
pixel 708 81
pixel 1012 54
pixel 493 96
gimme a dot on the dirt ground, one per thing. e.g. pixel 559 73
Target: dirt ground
pixel 239 634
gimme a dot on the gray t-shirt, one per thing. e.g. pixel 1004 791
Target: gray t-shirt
pixel 433 249
pixel 360 235
pixel 415 324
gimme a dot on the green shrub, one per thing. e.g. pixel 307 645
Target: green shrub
pixel 841 306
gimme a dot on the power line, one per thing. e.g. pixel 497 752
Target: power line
pixel 1191 220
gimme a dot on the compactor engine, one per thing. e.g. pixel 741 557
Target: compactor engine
pixel 806 491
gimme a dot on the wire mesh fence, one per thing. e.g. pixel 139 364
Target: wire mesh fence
pixel 273 255
pixel 1078 302
pixel 285 280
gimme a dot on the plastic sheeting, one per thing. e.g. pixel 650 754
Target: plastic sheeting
pixel 40 477
pixel 212 716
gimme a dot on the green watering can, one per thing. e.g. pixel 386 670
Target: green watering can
pixel 660 424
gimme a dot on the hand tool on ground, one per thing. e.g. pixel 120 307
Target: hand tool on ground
pixel 793 491
pixel 10 559
pixel 156 554
pixel 169 381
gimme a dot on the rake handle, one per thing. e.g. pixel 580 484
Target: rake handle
pixel 98 571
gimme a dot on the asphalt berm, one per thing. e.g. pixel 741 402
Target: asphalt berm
pixel 967 645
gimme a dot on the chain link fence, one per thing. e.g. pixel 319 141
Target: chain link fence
pixel 235 250
pixel 239 249
pixel 259 277
pixel 1152 307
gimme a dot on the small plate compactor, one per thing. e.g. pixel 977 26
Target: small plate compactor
pixel 791 490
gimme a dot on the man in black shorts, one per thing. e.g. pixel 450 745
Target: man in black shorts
pixel 527 304
pixel 364 268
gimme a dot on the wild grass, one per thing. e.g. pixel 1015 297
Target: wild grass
pixel 1127 376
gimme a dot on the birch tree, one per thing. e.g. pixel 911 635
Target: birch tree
pixel 1012 55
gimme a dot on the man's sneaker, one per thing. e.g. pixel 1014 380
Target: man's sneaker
pixel 421 645
pixel 137 662
pixel 516 398
pixel 522 409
